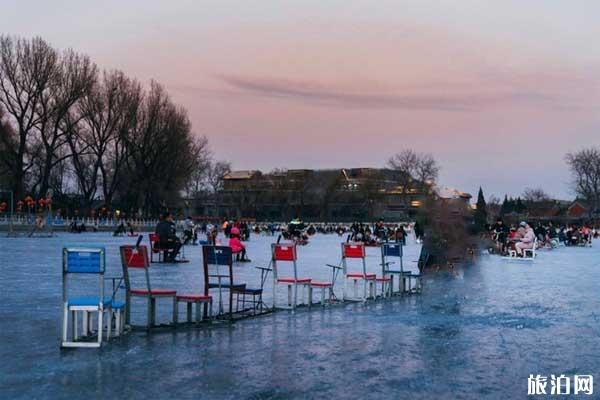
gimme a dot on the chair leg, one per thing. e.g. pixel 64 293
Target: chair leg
pixel 175 311
pixel 118 323
pixel 85 323
pixel 189 312
pixel 74 319
pixel 65 326
pixel 198 312
pixel 109 324
pixel 310 296
pixel 100 326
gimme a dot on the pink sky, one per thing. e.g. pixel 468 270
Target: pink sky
pixel 497 93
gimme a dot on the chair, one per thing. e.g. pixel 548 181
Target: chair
pixel 133 257
pixel 217 262
pixel 531 251
pixel 352 250
pixel 198 300
pixel 155 248
pixel 89 261
pixel 389 251
pixel 287 253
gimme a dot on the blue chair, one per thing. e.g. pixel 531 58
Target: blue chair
pixel 78 260
pixel 217 262
pixel 390 251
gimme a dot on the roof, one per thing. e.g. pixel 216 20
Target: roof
pixel 451 193
pixel 242 174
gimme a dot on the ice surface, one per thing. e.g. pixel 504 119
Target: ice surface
pixel 477 333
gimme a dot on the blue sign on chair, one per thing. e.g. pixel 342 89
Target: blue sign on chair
pixel 218 255
pixel 392 249
pixel 83 260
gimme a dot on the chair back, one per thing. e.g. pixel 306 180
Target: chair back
pixel 389 250
pixel 84 259
pixel 353 250
pixel 283 252
pixel 217 262
pixel 392 249
pixel 135 257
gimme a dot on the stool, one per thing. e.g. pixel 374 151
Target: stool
pixel 386 285
pixel 323 286
pixel 117 309
pixel 250 292
pixel 418 283
pixel 191 299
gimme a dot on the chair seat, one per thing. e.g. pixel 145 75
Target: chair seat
pixel 87 301
pixel 117 305
pixel 383 279
pixel 193 297
pixel 292 280
pixel 321 284
pixel 154 292
pixel 360 276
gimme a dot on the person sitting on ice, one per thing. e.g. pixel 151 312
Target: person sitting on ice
pixel 237 247
pixel 527 241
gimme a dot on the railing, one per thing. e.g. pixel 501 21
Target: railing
pixel 25 219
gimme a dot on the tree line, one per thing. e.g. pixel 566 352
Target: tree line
pixel 83 134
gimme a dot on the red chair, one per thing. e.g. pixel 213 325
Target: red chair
pixel 357 251
pixel 133 257
pixel 155 247
pixel 287 253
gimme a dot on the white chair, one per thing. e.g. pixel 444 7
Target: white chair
pixel 531 251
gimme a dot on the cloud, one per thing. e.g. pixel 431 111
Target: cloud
pixel 314 93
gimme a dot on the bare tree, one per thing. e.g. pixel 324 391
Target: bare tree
pixel 415 170
pixel 585 171
pixel 427 169
pixel 201 167
pixel 73 79
pixel 215 174
pixel 214 180
pixel 27 72
pixel 108 113
pixel 535 195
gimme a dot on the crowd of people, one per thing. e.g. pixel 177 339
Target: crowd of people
pixel 380 232
pixel 524 236
pixel 238 232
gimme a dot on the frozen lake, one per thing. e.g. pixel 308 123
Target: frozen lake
pixel 477 333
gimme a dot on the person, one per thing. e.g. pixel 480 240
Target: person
pixel 237 247
pixel 188 231
pixel 120 231
pixel 165 229
pixel 500 232
pixel 379 230
pixel 527 241
pixel 418 232
pixel 130 228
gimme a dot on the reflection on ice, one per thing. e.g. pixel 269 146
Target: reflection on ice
pixel 477 333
